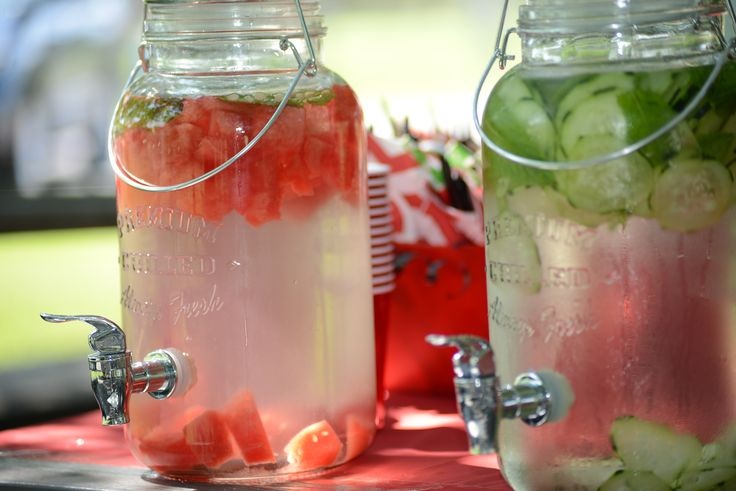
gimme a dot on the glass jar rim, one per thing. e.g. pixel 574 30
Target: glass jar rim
pixel 243 19
pixel 575 16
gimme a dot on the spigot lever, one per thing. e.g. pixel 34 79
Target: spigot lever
pixel 114 374
pixel 107 336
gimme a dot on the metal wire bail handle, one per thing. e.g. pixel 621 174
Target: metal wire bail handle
pixel 499 54
pixel 309 68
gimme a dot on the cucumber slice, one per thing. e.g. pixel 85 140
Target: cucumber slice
pixel 648 446
pixel 673 86
pixel 710 122
pixel 579 474
pixel 598 85
pixel 600 115
pixel 548 202
pixel 720 144
pixel 515 118
pixel 691 195
pixel 719 453
pixel 512 257
pixel 705 479
pixel 634 481
pixel 618 185
pixel 658 82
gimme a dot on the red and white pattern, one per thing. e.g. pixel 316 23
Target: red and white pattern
pixel 420 215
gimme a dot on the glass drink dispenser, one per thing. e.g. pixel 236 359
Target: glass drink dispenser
pixel 244 249
pixel 610 221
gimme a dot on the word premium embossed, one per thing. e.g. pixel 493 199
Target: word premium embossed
pixel 168 219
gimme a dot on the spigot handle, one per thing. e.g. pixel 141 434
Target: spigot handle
pixel 108 337
pixel 474 355
pixel 114 374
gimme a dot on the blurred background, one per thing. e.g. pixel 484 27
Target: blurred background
pixel 63 64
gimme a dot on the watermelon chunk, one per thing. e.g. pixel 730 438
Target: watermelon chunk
pixel 313 447
pixel 313 151
pixel 209 438
pixel 359 435
pixel 242 418
pixel 165 450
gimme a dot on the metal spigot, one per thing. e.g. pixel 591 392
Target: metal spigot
pixel 535 398
pixel 114 374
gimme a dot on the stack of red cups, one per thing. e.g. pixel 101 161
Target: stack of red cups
pixel 382 264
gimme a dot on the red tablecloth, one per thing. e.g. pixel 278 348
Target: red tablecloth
pixel 422 447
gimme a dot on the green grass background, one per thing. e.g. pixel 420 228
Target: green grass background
pixel 63 272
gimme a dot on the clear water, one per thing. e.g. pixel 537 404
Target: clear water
pixel 283 310
pixel 627 288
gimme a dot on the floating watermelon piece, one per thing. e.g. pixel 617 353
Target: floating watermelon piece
pixel 359 435
pixel 209 438
pixel 313 447
pixel 242 418
pixel 312 152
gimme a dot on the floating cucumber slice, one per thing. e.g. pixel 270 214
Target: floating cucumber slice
pixel 516 119
pixel 710 122
pixel 504 176
pixel 626 480
pixel 728 151
pixel 546 201
pixel 600 115
pixel 579 474
pixel 715 466
pixel 599 85
pixel 691 194
pixel 673 86
pixel 512 257
pixel 717 454
pixel 647 446
pixel 721 452
pixel 705 479
pixel 617 185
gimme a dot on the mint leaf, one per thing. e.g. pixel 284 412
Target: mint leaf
pixel 146 112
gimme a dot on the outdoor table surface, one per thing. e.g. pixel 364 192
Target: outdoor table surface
pixel 422 447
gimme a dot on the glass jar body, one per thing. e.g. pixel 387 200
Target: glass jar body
pixel 260 274
pixel 619 276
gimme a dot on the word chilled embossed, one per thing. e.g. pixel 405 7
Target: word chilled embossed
pixel 192 308
pixel 143 308
pixel 168 219
pixel 565 277
pixel 507 273
pixel 159 264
